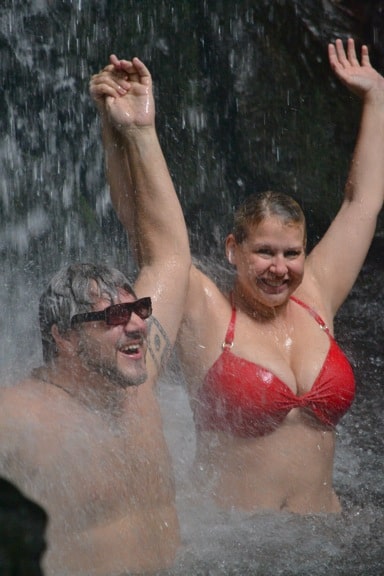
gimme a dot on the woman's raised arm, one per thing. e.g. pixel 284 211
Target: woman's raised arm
pixel 336 261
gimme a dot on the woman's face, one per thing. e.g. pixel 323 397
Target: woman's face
pixel 269 262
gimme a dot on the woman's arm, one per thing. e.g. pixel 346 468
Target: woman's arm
pixel 335 262
pixel 112 82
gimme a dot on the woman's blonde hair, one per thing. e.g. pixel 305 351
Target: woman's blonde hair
pixel 258 207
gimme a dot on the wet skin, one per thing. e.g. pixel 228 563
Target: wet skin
pixel 85 440
pixel 266 472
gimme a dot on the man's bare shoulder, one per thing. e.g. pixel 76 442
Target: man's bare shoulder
pixel 37 421
pixel 21 425
pixel 29 405
pixel 29 392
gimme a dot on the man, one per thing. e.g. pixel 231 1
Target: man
pixel 82 436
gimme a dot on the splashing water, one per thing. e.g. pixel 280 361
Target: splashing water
pixel 220 141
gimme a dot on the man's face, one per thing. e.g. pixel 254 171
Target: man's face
pixel 116 353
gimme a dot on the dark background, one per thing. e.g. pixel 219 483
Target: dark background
pixel 245 101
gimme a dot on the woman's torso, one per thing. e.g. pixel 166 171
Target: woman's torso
pixel 286 465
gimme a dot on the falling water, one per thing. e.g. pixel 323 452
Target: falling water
pixel 244 101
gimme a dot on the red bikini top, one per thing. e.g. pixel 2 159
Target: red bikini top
pixel 247 400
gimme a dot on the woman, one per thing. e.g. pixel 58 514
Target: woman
pixel 266 380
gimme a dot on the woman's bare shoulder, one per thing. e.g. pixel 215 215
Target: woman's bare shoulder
pixel 208 288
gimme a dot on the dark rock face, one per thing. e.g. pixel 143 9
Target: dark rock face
pixel 246 101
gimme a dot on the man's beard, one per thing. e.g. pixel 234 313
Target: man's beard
pixel 106 368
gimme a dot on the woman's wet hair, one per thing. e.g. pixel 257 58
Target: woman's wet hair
pixel 258 207
pixel 73 290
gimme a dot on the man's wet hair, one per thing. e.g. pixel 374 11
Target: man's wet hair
pixel 73 290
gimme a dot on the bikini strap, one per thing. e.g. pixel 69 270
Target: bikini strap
pixel 312 312
pixel 230 335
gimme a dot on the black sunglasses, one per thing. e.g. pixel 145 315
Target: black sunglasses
pixel 117 313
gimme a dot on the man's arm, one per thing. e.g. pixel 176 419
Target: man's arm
pixel 142 191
